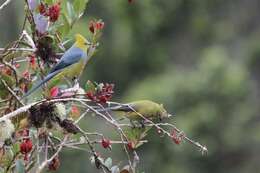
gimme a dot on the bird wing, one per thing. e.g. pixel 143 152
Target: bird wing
pixel 71 56
pixel 126 108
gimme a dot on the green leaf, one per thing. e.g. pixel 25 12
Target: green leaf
pixel 79 6
pixel 136 134
pixel 71 12
pixel 90 86
pixel 65 28
pixel 49 1
pixel 19 166
pixel 9 80
pixel 108 162
pixel 16 148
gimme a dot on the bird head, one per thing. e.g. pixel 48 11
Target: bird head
pixel 81 42
pixel 163 112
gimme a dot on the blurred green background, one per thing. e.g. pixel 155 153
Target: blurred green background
pixel 200 58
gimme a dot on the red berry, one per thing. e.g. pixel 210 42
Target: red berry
pixel 26 146
pixel 17 65
pixel 90 95
pixel 26 74
pixel 100 25
pixel 54 12
pixel 177 138
pixel 102 93
pixel 106 143
pixel 54 164
pixel 96 26
pixel 32 61
pixel 102 99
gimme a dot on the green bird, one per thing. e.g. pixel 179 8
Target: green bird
pixel 146 108
pixel 70 65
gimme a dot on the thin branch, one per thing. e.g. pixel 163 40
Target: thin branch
pixel 19 49
pixel 202 148
pixel 27 107
pixel 45 163
pixel 91 147
pixel 5 4
pixel 12 92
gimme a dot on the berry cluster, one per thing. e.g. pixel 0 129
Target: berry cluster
pixel 26 145
pixel 32 61
pixel 106 143
pixel 95 26
pixel 45 49
pixel 53 12
pixel 177 137
pixel 102 93
pixel 26 75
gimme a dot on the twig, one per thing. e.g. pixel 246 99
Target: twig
pixel 45 163
pixel 12 92
pixel 19 49
pixel 119 129
pixel 5 4
pixel 104 167
pixel 202 148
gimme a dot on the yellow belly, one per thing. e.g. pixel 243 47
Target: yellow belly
pixel 68 73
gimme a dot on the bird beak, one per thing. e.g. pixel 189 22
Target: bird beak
pixel 170 115
pixel 88 43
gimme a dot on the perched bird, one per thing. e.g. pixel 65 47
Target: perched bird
pixel 146 108
pixel 70 65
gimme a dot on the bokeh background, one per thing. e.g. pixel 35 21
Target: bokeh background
pixel 200 58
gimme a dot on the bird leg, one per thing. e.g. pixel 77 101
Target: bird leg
pixel 73 89
pixel 76 82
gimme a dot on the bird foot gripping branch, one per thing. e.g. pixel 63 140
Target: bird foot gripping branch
pixel 36 132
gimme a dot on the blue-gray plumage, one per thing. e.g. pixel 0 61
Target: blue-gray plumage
pixel 70 65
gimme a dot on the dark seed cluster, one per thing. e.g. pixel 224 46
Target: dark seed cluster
pixel 44 113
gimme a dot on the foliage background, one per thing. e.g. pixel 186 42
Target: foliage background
pixel 200 58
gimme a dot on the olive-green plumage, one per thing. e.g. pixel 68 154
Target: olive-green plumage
pixel 146 108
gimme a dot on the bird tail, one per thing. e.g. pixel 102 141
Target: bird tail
pixel 123 108
pixel 46 79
